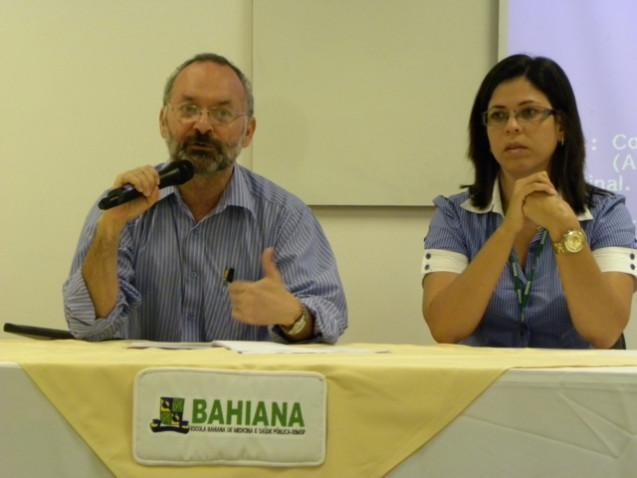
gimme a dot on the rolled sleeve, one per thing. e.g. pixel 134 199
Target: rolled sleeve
pixel 326 329
pixel 78 306
pixel 79 309
pixel 80 312
pixel 330 320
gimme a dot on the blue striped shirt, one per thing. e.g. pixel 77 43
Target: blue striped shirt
pixel 458 231
pixel 171 269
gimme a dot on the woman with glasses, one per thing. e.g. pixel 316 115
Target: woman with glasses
pixel 530 255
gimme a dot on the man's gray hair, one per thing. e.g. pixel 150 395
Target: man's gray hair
pixel 219 60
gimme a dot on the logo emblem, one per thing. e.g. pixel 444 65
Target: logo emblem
pixel 171 416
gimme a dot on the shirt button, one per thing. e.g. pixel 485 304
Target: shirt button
pixel 428 256
pixel 427 267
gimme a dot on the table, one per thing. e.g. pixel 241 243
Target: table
pixel 562 423
pixel 559 422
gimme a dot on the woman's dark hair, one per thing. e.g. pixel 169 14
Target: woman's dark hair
pixel 567 164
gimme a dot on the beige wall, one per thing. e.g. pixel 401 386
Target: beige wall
pixel 80 94
pixel 379 251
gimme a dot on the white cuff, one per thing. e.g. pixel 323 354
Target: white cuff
pixel 617 259
pixel 441 260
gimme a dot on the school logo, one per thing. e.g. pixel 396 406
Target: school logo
pixel 171 416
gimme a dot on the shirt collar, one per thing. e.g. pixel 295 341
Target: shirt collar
pixel 496 205
pixel 237 192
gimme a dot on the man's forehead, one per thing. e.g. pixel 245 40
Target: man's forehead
pixel 208 77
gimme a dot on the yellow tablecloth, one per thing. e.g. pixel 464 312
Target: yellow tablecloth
pixel 381 407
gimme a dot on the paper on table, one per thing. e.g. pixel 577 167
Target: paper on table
pixel 255 347
pixel 150 344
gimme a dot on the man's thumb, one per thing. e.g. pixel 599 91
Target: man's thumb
pixel 269 265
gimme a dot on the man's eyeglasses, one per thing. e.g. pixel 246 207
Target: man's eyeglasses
pixel 190 113
pixel 525 116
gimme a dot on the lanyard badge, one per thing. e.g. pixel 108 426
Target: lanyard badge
pixel 523 291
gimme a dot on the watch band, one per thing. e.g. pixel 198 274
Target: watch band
pixel 299 324
pixel 558 247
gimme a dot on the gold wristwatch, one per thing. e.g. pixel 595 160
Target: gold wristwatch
pixel 571 243
pixel 297 327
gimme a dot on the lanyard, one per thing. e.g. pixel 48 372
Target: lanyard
pixel 523 291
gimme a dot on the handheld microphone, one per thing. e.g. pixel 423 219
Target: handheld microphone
pixel 174 173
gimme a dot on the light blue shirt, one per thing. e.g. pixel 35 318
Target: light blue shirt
pixel 171 269
pixel 458 231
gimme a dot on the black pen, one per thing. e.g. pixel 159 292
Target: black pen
pixel 228 275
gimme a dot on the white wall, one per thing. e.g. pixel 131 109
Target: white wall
pixel 80 94
pixel 361 104
pixel 379 251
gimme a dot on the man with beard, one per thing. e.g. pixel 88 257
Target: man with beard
pixel 158 267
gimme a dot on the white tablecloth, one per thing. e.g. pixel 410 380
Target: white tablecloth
pixel 540 422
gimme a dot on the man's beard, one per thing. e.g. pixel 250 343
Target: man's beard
pixel 207 154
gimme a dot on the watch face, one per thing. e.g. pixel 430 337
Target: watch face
pixel 574 241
